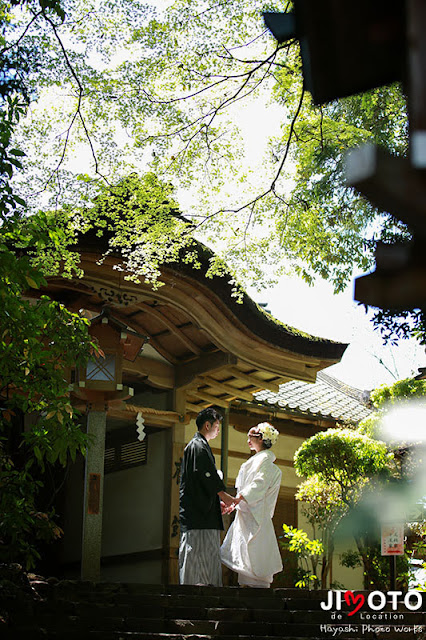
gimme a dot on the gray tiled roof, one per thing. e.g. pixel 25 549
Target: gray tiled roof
pixel 327 397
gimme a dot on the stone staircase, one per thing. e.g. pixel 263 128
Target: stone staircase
pixel 75 610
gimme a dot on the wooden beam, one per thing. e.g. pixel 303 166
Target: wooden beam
pixel 401 288
pixel 151 420
pixel 209 398
pixel 150 415
pixel 186 373
pixel 195 408
pixel 243 421
pixel 416 19
pixel 390 183
pixel 244 456
pixel 138 326
pixel 172 327
pixel 169 416
pixel 159 373
pixel 251 379
pixel 226 388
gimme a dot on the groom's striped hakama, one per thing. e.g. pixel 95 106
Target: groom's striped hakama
pixel 199 557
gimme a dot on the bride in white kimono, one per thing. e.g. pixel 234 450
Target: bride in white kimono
pixel 250 547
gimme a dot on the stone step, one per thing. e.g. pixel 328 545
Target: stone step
pixel 96 635
pixel 133 627
pixel 105 589
pixel 109 612
pixel 243 599
pixel 355 633
pixel 181 608
pixel 72 610
pixel 272 630
pixel 69 634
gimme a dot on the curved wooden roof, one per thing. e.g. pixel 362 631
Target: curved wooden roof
pixel 200 338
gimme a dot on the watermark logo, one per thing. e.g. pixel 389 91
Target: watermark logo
pixel 370 608
pixel 338 630
pixel 375 600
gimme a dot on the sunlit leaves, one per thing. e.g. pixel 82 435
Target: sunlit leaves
pixel 308 553
pixel 342 457
pixel 400 391
pixel 328 229
pixel 140 222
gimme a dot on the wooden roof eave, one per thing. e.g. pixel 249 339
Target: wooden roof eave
pixel 231 335
pixel 241 361
pixel 287 423
pixel 212 315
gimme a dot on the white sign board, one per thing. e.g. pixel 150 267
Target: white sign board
pixel 393 539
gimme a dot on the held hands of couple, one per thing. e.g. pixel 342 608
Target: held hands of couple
pixel 228 506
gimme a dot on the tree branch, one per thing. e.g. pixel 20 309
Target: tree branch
pixel 78 112
pixel 16 43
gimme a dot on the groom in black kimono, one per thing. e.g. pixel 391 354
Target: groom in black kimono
pixel 201 490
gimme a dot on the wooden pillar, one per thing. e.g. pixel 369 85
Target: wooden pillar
pixel 172 523
pixel 416 20
pixel 225 446
pixel 93 497
pixel 169 472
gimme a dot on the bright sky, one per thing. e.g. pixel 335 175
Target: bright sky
pixel 318 311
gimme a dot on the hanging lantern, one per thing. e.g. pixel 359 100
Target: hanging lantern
pixel 104 371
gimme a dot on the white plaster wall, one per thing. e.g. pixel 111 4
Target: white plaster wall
pixel 134 504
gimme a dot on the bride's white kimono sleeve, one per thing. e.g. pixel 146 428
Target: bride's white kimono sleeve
pixel 250 546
